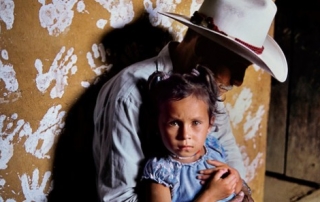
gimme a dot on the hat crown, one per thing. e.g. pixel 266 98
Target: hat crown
pixel 247 20
pixel 241 26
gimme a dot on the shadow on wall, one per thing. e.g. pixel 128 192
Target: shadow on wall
pixel 73 167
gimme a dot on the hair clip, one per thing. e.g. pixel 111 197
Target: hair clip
pixel 156 77
pixel 195 72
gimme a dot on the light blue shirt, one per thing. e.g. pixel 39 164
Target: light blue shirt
pixel 181 177
pixel 118 139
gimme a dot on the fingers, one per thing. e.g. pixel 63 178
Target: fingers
pixel 211 173
pixel 238 198
pixel 220 173
pixel 219 164
pixel 207 171
pixel 215 169
pixel 215 163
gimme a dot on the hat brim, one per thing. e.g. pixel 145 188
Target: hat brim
pixel 271 59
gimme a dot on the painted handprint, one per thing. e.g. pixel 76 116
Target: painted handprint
pixel 32 189
pixel 8 200
pixel 56 16
pixel 98 52
pixel 7 12
pixel 241 110
pixel 9 127
pixel 154 17
pixel 8 76
pixel 195 5
pixel 242 104
pixel 121 11
pixel 251 164
pixel 253 123
pixel 39 143
pixel 58 71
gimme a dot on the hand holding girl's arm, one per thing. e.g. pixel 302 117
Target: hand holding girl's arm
pixel 217 186
pixel 243 192
pixel 205 174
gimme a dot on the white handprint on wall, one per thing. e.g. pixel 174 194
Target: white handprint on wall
pixel 98 52
pixel 58 71
pixel 253 123
pixel 121 11
pixel 238 112
pixel 32 190
pixel 8 76
pixel 195 5
pixel 40 142
pixel 56 16
pixel 251 164
pixel 242 104
pixel 157 19
pixel 7 12
pixel 8 200
pixel 13 125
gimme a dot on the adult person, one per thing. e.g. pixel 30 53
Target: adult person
pixel 226 36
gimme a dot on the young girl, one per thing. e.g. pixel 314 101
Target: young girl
pixel 184 106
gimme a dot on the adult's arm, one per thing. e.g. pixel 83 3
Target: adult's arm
pixel 117 149
pixel 223 132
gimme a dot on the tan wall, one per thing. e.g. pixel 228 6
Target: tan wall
pixel 47 61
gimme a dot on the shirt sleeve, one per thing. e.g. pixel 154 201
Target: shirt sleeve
pixel 117 150
pixel 222 131
pixel 160 171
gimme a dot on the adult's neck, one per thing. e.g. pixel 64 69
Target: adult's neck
pixel 182 56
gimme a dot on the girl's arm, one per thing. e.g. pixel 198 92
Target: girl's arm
pixel 157 192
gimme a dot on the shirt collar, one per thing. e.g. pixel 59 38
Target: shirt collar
pixel 164 61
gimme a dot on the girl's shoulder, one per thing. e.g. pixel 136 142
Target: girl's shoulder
pixel 162 170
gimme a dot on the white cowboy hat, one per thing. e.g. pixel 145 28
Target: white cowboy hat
pixel 241 26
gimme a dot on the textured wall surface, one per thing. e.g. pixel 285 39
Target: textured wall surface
pixel 51 53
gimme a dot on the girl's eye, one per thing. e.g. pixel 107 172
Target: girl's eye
pixel 196 123
pixel 173 123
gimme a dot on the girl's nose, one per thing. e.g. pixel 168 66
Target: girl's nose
pixel 185 133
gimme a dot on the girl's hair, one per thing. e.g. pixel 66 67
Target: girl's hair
pixel 199 83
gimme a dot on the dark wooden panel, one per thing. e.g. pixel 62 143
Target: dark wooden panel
pixel 276 133
pixel 303 154
pixel 277 119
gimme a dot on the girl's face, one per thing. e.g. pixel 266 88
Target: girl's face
pixel 184 125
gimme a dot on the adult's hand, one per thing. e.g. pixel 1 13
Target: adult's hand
pixel 206 174
pixel 243 195
pixel 239 197
pixel 217 187
pixel 247 194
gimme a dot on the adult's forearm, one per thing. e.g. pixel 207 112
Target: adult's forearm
pixel 245 188
pixel 118 154
pixel 123 198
